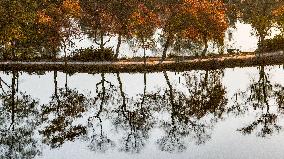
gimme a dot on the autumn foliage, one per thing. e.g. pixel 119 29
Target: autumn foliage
pixel 208 20
pixel 46 25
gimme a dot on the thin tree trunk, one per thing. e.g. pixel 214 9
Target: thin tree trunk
pixel 103 96
pixel 167 45
pixel 121 90
pixel 118 46
pixel 261 41
pixel 53 55
pixel 205 48
pixel 102 41
pixel 66 82
pixel 13 98
pixel 13 50
pixel 65 53
pixel 144 53
pixel 221 49
pixel 145 87
pixel 55 83
pixel 170 87
pixel 13 54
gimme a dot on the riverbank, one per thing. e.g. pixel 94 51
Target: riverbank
pixel 151 65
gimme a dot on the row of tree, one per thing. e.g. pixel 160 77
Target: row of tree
pixel 43 28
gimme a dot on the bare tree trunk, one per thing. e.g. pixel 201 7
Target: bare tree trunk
pixel 13 50
pixel 118 46
pixel 102 41
pixel 144 53
pixel 261 41
pixel 221 49
pixel 170 87
pixel 66 82
pixel 145 87
pixel 167 44
pixel 55 83
pixel 53 54
pixel 205 48
pixel 103 96
pixel 65 52
pixel 13 94
pixel 121 90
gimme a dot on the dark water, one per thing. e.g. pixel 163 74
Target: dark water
pixel 231 113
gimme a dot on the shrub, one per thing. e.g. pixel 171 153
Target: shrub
pixel 91 54
pixel 272 45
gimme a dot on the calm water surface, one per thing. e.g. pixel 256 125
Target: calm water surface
pixel 230 113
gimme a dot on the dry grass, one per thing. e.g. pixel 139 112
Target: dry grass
pixel 152 65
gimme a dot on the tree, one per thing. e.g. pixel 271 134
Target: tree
pixel 97 21
pixel 121 11
pixel 209 23
pixel 259 13
pixel 278 12
pixel 57 25
pixel 17 26
pixel 144 23
pixel 199 21
pixel 35 28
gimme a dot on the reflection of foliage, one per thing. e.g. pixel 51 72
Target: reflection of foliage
pixel 279 94
pixel 206 95
pixel 268 125
pixel 135 118
pixel 258 95
pixel 136 122
pixel 99 139
pixel 191 115
pixel 238 108
pixel 19 118
pixel 65 108
pixel 101 143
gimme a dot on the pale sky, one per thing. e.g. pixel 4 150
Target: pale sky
pixel 243 39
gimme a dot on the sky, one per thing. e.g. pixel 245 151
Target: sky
pixel 243 38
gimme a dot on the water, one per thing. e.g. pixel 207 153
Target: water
pixel 230 113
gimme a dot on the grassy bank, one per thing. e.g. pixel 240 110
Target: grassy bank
pixel 152 65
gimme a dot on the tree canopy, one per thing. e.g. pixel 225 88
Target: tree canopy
pixel 42 28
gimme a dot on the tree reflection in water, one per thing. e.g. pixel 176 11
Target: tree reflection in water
pixel 19 117
pixel 134 119
pixel 105 91
pixel 66 106
pixel 192 114
pixel 259 95
pixel 109 118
